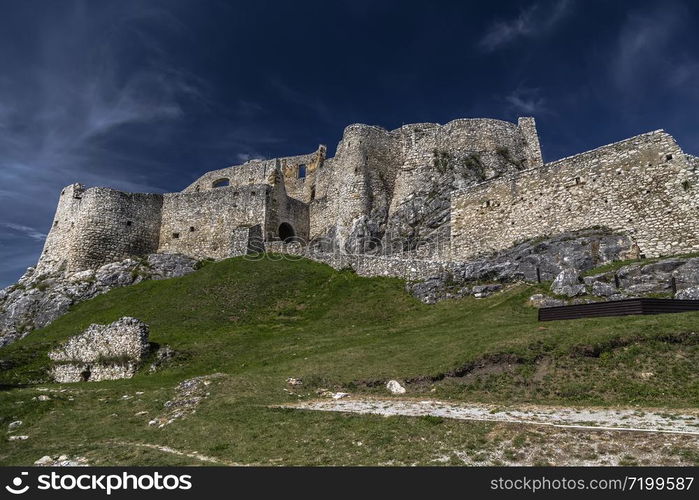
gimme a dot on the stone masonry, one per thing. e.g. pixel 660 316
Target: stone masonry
pixel 101 352
pixel 645 187
pixel 415 199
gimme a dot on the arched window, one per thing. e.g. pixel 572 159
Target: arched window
pixel 286 232
pixel 302 171
pixel 221 183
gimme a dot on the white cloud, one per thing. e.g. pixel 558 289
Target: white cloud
pixel 649 51
pixel 527 101
pixel 535 20
pixel 25 231
pixel 243 157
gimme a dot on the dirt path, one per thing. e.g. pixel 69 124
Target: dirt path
pixel 637 420
pixel 172 451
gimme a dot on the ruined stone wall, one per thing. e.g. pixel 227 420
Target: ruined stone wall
pixel 396 185
pixel 259 172
pixel 297 186
pixel 101 352
pixel 353 189
pixel 643 186
pixel 252 172
pixel 202 224
pixel 99 225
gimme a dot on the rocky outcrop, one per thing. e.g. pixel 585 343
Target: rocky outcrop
pixel 38 299
pixel 101 352
pixel 672 277
pixel 568 283
pixel 688 294
pixel 531 261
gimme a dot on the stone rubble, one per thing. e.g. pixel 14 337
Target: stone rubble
pixel 101 352
pixel 61 461
pixel 188 395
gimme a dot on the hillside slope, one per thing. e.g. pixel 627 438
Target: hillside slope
pixel 256 323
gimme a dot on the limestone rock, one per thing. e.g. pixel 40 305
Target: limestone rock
pixel 61 461
pixel 482 291
pixel 602 289
pixel 394 387
pixel 541 300
pixel 45 460
pixel 529 261
pixel 688 294
pixel 162 356
pixel 568 283
pixel 13 425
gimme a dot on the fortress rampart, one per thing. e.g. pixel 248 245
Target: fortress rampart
pixel 99 225
pixel 466 188
pixel 644 186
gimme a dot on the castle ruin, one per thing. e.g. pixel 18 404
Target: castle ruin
pixel 425 192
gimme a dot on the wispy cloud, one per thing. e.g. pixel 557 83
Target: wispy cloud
pixel 535 20
pixel 26 231
pixel 249 156
pixel 649 51
pixel 528 101
pixel 88 78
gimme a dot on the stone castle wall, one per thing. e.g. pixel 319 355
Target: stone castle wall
pixel 644 186
pixel 202 224
pixel 297 186
pixel 477 184
pixel 383 184
pixel 99 225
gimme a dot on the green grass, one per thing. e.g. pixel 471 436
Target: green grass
pixel 261 322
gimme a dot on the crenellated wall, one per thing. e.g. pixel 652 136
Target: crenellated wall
pixel 644 186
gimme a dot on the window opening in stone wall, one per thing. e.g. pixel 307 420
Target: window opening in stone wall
pixel 85 374
pixel 252 193
pixel 577 180
pixel 302 171
pixel 286 232
pixel 191 229
pixel 313 194
pixel 55 223
pixel 668 157
pixel 221 183
pixel 175 235
pixel 128 222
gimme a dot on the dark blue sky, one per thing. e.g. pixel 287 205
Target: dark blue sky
pixel 148 95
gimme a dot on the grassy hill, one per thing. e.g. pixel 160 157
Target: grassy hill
pixel 259 322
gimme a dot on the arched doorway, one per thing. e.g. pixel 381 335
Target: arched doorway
pixel 286 232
